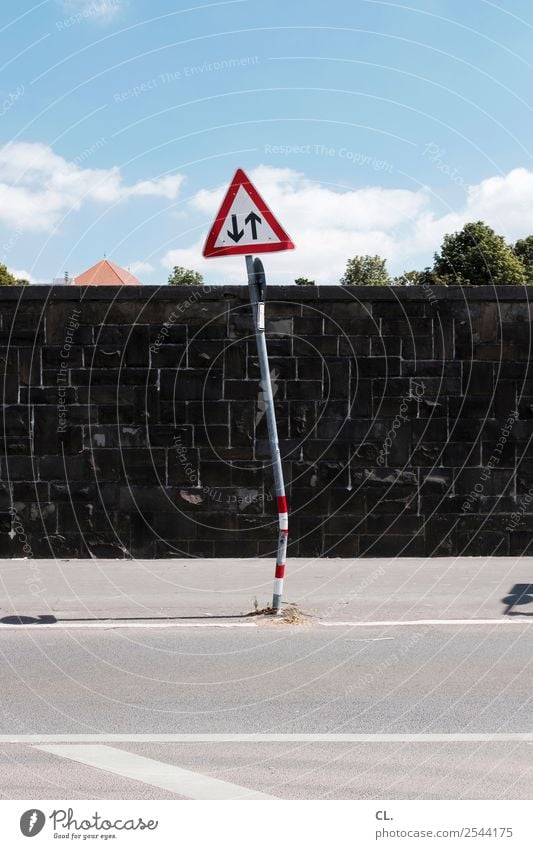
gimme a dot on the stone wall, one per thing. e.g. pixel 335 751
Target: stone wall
pixel 133 423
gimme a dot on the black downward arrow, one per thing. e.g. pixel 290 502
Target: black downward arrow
pixel 253 220
pixel 236 234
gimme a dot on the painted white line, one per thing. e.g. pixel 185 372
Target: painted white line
pixel 394 623
pixel 67 626
pixel 112 624
pixel 192 785
pixel 370 640
pixel 430 737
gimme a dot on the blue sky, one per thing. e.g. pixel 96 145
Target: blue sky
pixel 370 127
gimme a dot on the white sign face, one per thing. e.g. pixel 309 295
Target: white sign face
pixel 245 224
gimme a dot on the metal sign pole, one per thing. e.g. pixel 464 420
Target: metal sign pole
pixel 257 286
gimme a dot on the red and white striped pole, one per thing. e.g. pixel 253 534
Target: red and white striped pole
pixel 283 517
pixel 257 286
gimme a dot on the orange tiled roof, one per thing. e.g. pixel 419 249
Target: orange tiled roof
pixel 106 273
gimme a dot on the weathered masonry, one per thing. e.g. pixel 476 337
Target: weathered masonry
pixel 132 421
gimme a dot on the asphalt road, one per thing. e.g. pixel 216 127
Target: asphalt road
pixel 67 691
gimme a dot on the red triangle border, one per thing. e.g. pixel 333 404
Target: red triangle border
pixel 285 243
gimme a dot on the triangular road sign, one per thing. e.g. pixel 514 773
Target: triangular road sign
pixel 244 224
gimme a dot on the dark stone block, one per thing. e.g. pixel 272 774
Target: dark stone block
pixel 103 357
pixel 383 346
pixel 242 423
pixel 441 536
pixel 168 436
pixel 503 456
pixel 30 366
pixel 378 367
pixel 308 325
pixel 402 524
pixel 486 480
pixel 9 389
pixel 471 407
pixel 307 347
pixel 173 334
pixel 458 454
pixel 54 435
pixel 417 347
pixel 483 542
pixel 303 417
pixel 28 491
pixel 392 545
pixel 241 390
pixel 359 346
pixel 436 481
pixel 302 390
pixel 9 360
pixel 168 357
pixel 335 546
pixel 20 468
pixel 520 543
pixel 118 415
pixel 191 385
pixel 93 396
pixel 429 430
pixel 58 468
pixel 478 378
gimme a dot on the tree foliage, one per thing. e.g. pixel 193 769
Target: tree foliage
pixel 477 256
pixel 366 271
pixel 524 251
pixel 8 279
pixel 184 277
pixel 304 281
pixel 427 277
pixel 410 278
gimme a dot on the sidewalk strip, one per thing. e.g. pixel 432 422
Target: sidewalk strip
pixel 65 625
pixel 430 737
pixel 394 623
pixel 192 785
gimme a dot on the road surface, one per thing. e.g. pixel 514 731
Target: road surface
pixel 283 711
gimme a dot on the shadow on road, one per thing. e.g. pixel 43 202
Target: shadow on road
pixel 52 620
pixel 520 594
pixel 28 620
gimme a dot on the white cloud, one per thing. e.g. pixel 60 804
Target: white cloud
pixel 329 225
pixel 141 267
pixel 23 274
pixel 37 186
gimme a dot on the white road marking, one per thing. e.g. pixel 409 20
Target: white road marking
pixel 430 737
pixel 394 623
pixel 370 640
pixel 192 785
pixel 64 626
pixel 112 624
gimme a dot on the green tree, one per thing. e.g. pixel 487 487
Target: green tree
pixel 304 281
pixel 524 251
pixel 184 277
pixel 366 271
pixel 427 277
pixel 477 256
pixel 8 279
pixel 409 278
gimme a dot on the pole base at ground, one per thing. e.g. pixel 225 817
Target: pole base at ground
pixel 276 604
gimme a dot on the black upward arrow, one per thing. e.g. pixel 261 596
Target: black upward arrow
pixel 236 234
pixel 253 220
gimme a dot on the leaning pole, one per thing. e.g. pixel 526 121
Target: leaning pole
pixel 257 286
pixel 244 226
